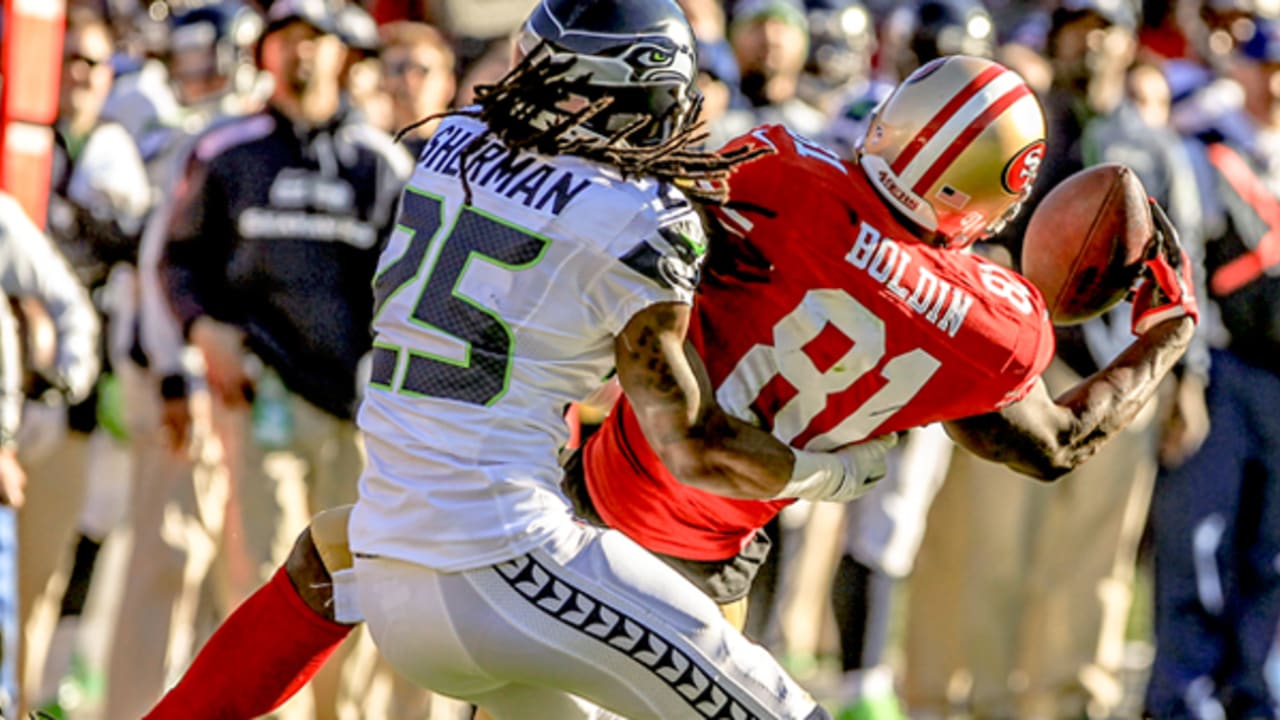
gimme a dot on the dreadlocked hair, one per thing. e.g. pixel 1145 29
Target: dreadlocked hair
pixel 534 88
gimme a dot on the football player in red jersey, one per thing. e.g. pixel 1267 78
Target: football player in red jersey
pixel 868 321
pixel 838 307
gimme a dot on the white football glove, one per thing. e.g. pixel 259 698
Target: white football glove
pixel 841 474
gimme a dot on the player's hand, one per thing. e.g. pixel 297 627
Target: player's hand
pixel 865 464
pixel 1164 289
pixel 13 480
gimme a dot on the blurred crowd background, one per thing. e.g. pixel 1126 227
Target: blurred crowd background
pixel 170 460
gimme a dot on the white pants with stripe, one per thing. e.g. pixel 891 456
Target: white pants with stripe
pixel 588 615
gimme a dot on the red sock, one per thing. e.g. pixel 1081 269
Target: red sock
pixel 258 658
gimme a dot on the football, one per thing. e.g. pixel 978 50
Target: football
pixel 1084 243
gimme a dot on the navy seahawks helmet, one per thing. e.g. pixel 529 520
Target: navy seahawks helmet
pixel 638 52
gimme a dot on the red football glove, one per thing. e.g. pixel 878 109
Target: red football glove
pixel 1164 288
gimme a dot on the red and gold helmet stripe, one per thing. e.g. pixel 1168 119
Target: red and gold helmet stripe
pixel 971 131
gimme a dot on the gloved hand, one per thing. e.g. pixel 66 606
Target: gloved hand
pixel 1164 288
pixel 841 474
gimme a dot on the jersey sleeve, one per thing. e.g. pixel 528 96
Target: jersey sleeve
pixel 758 178
pixel 1041 353
pixel 780 182
pixel 199 239
pixel 1005 337
pixel 657 257
pixel 1033 349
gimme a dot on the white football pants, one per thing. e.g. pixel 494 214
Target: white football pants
pixel 590 614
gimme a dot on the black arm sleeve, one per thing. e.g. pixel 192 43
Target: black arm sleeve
pixel 194 259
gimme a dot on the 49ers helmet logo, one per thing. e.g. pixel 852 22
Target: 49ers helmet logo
pixel 1022 169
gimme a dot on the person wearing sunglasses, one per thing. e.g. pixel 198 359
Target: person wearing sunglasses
pixel 418 77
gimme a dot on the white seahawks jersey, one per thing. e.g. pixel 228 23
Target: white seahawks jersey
pixel 490 318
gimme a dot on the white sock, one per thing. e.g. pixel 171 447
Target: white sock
pixel 57 663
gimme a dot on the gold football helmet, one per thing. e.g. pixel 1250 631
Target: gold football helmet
pixel 956 147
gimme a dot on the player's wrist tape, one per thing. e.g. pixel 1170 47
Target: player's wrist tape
pixel 346 609
pixel 822 476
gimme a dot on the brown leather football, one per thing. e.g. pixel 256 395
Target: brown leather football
pixel 1084 244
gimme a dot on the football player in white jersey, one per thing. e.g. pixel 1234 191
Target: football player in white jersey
pixel 542 240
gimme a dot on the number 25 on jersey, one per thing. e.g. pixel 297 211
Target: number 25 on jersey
pixel 436 260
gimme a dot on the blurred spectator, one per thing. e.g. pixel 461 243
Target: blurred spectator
pixel 883 532
pixel 31 268
pixel 418 75
pixel 357 30
pixel 718 83
pixel 770 39
pixel 272 244
pixel 706 17
pixel 142 98
pixel 98 202
pixel 492 64
pixel 210 59
pixel 1216 516
pixel 842 38
pixel 362 76
pixel 478 19
pixel 13 483
pixel 100 194
pixel 176 496
pixel 913 34
pixel 718 76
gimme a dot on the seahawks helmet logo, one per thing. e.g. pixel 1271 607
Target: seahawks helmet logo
pixel 656 58
pixel 649 61
pixel 640 53
pixel 653 62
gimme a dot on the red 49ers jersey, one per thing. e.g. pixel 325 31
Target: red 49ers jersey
pixel 859 330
